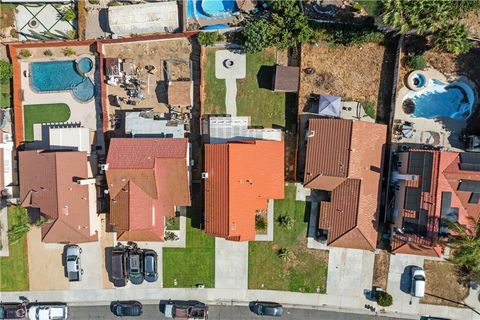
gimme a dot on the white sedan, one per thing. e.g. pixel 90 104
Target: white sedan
pixel 418 282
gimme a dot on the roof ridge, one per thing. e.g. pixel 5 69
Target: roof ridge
pixel 57 209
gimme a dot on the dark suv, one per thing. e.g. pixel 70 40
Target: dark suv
pixel 150 266
pixel 264 308
pixel 12 310
pixel 135 266
pixel 119 271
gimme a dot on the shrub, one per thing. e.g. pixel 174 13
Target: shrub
pixel 357 7
pixel 68 52
pixel 48 53
pixel 369 108
pixel 416 62
pixel 69 15
pixel 25 53
pixel 170 236
pixel 286 222
pixel 260 223
pixel 384 299
pixel 94 1
pixel 6 71
pixel 285 254
pixel 208 39
pixel 347 34
pixel 72 34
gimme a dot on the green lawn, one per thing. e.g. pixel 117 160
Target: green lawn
pixel 43 113
pixel 5 95
pixel 265 107
pixel 192 265
pixel 215 90
pixel 14 268
pixel 307 269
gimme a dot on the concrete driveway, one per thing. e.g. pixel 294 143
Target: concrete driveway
pixel 231 264
pixel 350 272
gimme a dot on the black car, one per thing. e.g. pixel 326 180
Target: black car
pixel 13 310
pixel 263 308
pixel 126 308
pixel 150 273
pixel 135 266
pixel 119 268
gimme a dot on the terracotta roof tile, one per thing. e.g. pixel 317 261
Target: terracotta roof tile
pixel 147 179
pixel 341 159
pixel 47 182
pixel 242 176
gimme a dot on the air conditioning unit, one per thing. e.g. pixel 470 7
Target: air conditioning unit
pixel 204 175
pixel 103 166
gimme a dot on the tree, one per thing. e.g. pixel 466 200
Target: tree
pixel 465 244
pixel 208 39
pixel 453 38
pixel 69 15
pixel 258 35
pixel 6 71
pixel 384 299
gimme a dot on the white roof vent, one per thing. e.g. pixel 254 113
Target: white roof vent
pixel 204 175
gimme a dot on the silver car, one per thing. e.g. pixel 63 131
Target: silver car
pixel 74 267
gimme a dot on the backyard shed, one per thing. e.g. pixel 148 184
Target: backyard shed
pixel 143 18
pixel 286 79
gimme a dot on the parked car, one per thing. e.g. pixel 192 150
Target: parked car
pixel 263 308
pixel 48 312
pixel 15 310
pixel 74 267
pixel 126 308
pixel 192 310
pixel 418 282
pixel 432 318
pixel 150 273
pixel 135 266
pixel 119 267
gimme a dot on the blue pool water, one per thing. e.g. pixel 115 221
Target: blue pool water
pixel 211 9
pixel 59 76
pixel 454 100
pixel 85 65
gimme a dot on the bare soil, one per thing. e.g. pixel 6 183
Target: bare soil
pixel 442 286
pixel 380 269
pixel 351 72
pixel 471 22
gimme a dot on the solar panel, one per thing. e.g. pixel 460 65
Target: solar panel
pixel 470 166
pixel 470 157
pixel 469 185
pixel 421 163
pixel 474 198
pixel 448 212
pixel 412 198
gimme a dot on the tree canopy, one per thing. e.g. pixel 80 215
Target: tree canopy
pixel 286 27
pixel 439 18
pixel 6 71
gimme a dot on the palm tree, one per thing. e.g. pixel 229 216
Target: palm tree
pixel 465 245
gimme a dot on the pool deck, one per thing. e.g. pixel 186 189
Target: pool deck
pixel 80 112
pixel 441 132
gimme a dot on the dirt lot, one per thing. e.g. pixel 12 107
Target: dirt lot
pixel 154 53
pixel 442 280
pixel 7 22
pixel 452 65
pixel 351 72
pixel 380 269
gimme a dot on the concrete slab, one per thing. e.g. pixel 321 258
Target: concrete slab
pixel 236 71
pixel 231 264
pixel 350 272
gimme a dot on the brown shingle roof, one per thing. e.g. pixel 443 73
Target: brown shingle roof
pixel 286 78
pixel 147 178
pixel 340 158
pixel 48 182
pixel 179 93
pixel 242 176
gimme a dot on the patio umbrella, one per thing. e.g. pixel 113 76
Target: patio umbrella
pixel 329 105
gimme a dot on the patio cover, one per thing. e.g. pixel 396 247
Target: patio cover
pixel 143 18
pixel 329 106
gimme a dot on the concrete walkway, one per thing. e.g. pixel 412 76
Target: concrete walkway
pixel 231 264
pixel 3 232
pixel 236 71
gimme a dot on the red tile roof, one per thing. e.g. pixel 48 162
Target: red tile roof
pixel 147 178
pixel 242 176
pixel 48 182
pixel 446 176
pixel 341 159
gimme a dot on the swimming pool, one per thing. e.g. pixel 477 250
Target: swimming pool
pixel 211 9
pixel 60 76
pixel 85 65
pixel 439 99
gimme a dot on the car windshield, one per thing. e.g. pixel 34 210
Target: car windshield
pixel 419 278
pixel 71 258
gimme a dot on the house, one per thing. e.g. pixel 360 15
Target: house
pixel 432 186
pixel 147 179
pixel 344 158
pixel 286 78
pixel 57 186
pixel 240 177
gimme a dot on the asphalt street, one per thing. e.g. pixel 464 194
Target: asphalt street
pixel 221 313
